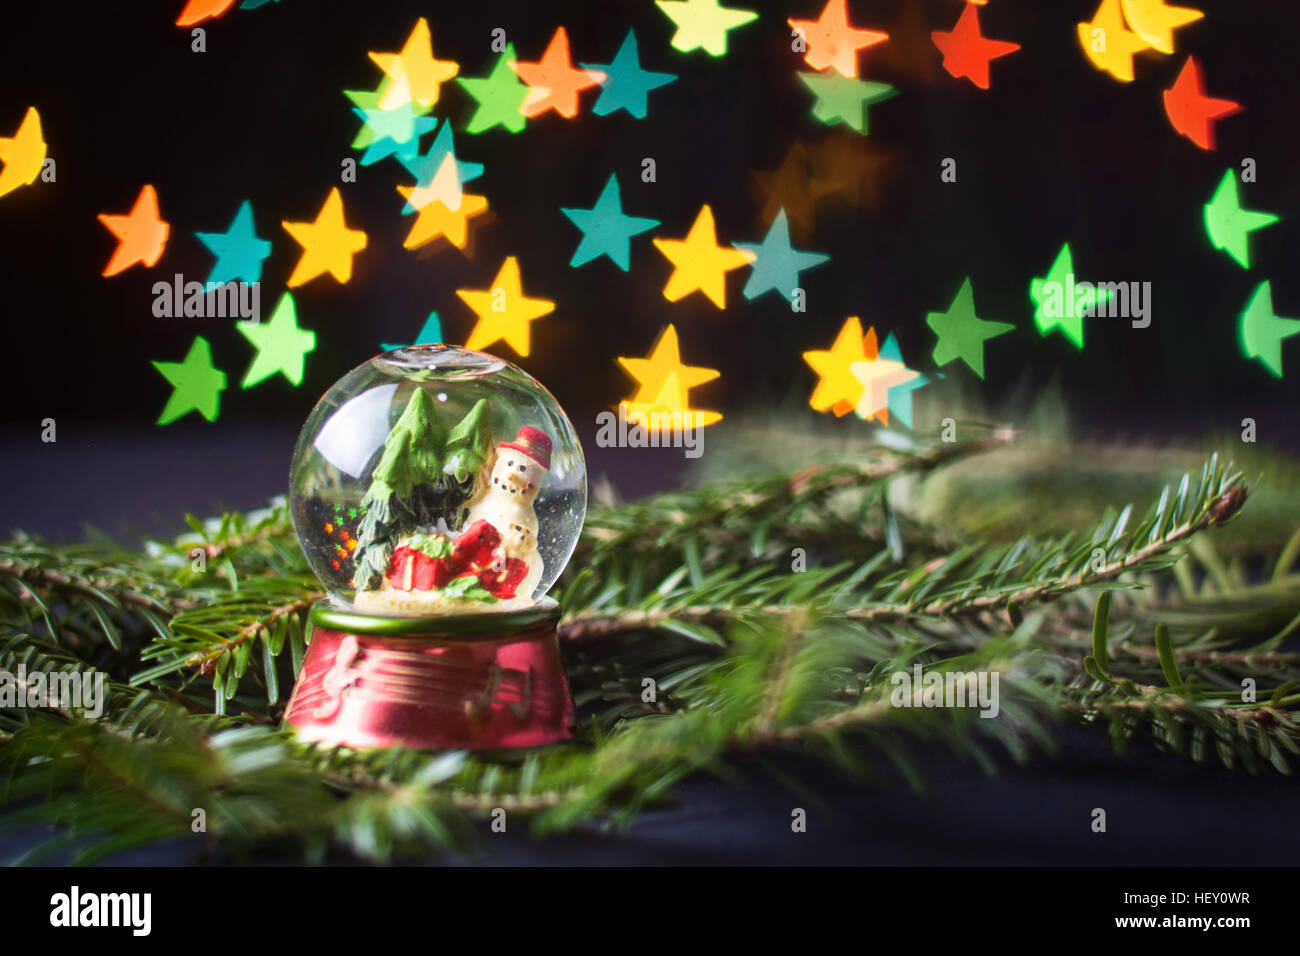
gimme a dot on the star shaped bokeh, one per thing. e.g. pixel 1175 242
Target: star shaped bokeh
pixel 416 74
pixel 504 313
pixel 900 393
pixel 1228 225
pixel 196 11
pixel 841 99
pixel 328 245
pixel 838 390
pixel 1107 44
pixel 281 345
pixel 1190 111
pixel 22 153
pixel 789 188
pixel 625 83
pixel 1261 330
pixel 367 101
pixel 196 384
pixel 435 220
pixel 832 43
pixel 239 250
pixel 141 234
pixel 662 377
pixel 392 132
pixel 879 374
pixel 775 264
pixel 703 24
pixel 1155 21
pixel 428 166
pixel 606 229
pixel 500 96
pixel 962 333
pixel 699 263
pixel 553 81
pixel 966 51
pixel 430 334
pixel 1058 305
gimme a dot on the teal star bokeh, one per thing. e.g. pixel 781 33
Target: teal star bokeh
pixel 626 84
pixel 606 229
pixel 774 263
pixel 239 250
pixel 900 395
pixel 424 167
pixel 387 132
pixel 430 334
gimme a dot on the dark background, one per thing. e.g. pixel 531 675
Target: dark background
pixel 1055 152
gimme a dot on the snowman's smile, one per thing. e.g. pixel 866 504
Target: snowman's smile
pixel 512 487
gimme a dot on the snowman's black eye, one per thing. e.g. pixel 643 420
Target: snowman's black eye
pixel 521 467
pixel 510 464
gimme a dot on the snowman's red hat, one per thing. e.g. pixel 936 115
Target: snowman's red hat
pixel 534 443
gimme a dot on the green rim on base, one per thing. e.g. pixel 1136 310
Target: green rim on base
pixel 325 614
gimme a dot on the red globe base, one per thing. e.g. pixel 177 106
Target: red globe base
pixel 489 681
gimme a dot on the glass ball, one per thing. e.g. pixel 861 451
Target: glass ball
pixel 437 480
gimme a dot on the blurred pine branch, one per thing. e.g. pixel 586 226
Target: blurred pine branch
pixel 771 611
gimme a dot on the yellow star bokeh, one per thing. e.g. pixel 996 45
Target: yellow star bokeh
pixel 699 262
pixel 669 411
pixel 877 376
pixel 504 314
pixel 1107 44
pixel 328 245
pixel 663 382
pixel 1155 21
pixel 838 389
pixel 424 75
pixel 23 153
pixel 435 218
pixel 664 360
pixel 445 187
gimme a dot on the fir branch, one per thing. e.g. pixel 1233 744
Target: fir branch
pixel 26 567
pixel 748 655
pixel 205 660
pixel 748 504
pixel 217 640
pixel 231 538
pixel 938 590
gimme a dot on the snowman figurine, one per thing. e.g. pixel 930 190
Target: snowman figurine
pixel 506 499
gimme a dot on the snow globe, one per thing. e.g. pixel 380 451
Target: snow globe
pixel 437 492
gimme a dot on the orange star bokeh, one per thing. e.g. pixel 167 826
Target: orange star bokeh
pixel 832 43
pixel 554 83
pixel 967 52
pixel 141 234
pixel 1191 112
